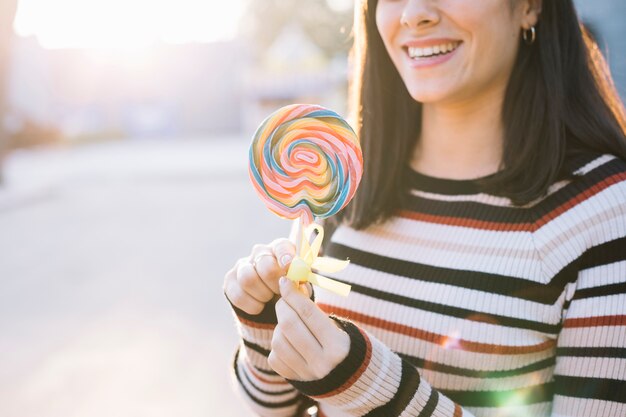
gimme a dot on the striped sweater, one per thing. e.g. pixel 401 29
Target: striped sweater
pixel 465 305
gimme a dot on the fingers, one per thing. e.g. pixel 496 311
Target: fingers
pixel 287 358
pixel 267 267
pixel 280 367
pixel 291 327
pixel 284 251
pixel 252 284
pixel 238 297
pixel 253 281
pixel 312 317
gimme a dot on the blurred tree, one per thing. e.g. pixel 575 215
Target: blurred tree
pixel 327 22
pixel 8 9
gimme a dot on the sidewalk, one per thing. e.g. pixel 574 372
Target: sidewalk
pixel 112 263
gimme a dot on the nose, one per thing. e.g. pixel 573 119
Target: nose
pixel 419 14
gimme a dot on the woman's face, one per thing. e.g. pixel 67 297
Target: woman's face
pixel 449 51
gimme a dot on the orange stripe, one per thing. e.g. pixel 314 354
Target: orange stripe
pixel 525 227
pixel 458 412
pixel 472 223
pixel 595 321
pixel 437 338
pixel 357 374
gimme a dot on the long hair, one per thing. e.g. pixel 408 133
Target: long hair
pixel 560 101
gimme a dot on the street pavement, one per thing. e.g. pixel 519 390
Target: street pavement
pixel 112 257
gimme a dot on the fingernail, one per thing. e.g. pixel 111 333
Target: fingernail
pixel 282 281
pixel 285 259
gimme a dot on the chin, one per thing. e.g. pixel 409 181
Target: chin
pixel 429 93
pixel 427 97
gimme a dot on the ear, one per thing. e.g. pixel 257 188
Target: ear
pixel 530 13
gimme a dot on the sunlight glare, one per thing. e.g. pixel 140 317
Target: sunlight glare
pixel 126 23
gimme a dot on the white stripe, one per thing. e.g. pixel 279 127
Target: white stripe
pixel 440 233
pixel 613 273
pixel 582 407
pixel 268 387
pixel 601 160
pixel 254 358
pixel 464 383
pixel 532 410
pixel 604 336
pixel 610 305
pixel 487 199
pixel 612 368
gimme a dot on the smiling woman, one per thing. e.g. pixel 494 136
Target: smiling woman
pixel 126 23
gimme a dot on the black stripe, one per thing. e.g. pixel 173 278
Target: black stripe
pixel 480 281
pixel 409 384
pixel 592 352
pixel 472 210
pixel 592 388
pixel 530 395
pixel 604 254
pixel 432 402
pixel 266 404
pixel 342 372
pixel 264 371
pixel 571 163
pixel 458 312
pixel 473 373
pixel 266 316
pixel 286 391
pixel 603 291
pixel 256 348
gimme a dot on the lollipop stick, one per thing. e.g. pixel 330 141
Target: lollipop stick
pixel 299 236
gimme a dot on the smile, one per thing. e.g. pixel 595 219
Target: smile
pixel 431 51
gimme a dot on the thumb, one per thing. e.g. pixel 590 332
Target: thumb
pixel 284 251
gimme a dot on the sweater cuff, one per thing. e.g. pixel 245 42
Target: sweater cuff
pixel 346 372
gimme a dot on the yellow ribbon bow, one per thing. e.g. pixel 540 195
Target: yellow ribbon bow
pixel 307 259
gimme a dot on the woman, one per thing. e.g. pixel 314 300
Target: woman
pixel 487 240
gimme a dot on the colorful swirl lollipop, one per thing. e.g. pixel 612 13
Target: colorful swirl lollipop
pixel 305 162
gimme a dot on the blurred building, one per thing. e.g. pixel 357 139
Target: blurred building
pixel 293 70
pixel 166 90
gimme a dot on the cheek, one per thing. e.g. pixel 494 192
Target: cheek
pixel 388 25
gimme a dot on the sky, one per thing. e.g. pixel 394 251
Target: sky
pixel 126 23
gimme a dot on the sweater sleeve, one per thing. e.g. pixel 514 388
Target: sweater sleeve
pixel 265 392
pixel 374 381
pixel 590 373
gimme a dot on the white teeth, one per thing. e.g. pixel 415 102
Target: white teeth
pixel 415 52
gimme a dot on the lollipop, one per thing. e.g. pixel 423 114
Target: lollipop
pixel 306 164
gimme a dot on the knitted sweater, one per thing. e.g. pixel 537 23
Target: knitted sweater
pixel 465 305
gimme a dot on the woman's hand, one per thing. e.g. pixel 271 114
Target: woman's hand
pixel 253 281
pixel 307 344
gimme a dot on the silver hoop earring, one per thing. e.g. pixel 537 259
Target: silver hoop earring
pixel 529 35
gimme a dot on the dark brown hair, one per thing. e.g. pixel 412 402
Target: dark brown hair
pixel 560 101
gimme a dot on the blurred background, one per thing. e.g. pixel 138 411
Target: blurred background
pixel 124 198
